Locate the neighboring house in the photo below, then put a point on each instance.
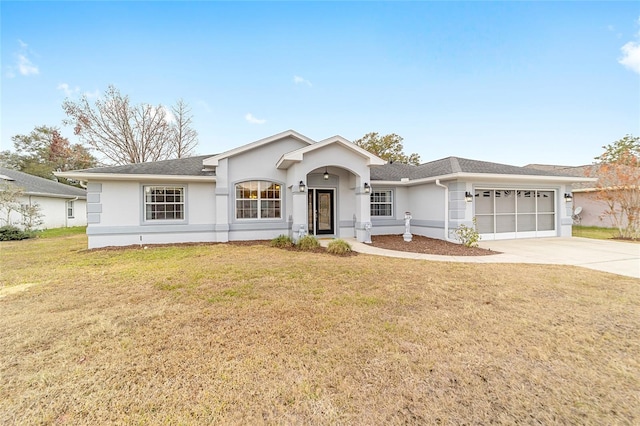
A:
(592, 209)
(60, 205)
(292, 185)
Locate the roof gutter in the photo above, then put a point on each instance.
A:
(131, 176)
(485, 177)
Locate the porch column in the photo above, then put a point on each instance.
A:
(299, 212)
(363, 213)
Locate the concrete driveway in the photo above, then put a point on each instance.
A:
(617, 257)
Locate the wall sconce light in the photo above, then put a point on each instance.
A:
(367, 188)
(468, 197)
(326, 174)
(568, 197)
(302, 187)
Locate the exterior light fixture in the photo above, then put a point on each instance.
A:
(326, 174)
(301, 186)
(468, 197)
(367, 188)
(568, 197)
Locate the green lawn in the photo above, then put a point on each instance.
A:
(594, 232)
(250, 334)
(61, 232)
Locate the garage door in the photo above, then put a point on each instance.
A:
(515, 213)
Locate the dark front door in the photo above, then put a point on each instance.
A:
(321, 211)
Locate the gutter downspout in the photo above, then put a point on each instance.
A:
(446, 209)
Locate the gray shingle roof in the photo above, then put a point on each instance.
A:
(37, 185)
(449, 165)
(190, 166)
(579, 171)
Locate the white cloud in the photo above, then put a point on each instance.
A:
(169, 117)
(631, 53)
(68, 91)
(25, 67)
(23, 64)
(253, 120)
(299, 80)
(631, 56)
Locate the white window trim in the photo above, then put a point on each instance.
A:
(160, 221)
(258, 200)
(390, 203)
(71, 208)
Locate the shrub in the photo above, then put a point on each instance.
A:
(308, 242)
(468, 235)
(339, 247)
(11, 233)
(282, 241)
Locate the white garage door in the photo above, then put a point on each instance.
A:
(515, 213)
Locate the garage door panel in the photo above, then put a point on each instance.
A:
(515, 213)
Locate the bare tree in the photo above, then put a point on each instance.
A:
(184, 137)
(9, 201)
(121, 132)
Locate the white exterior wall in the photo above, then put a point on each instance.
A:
(53, 211)
(115, 215)
(255, 164)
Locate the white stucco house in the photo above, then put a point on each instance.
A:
(60, 205)
(290, 184)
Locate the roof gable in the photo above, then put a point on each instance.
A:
(213, 161)
(297, 156)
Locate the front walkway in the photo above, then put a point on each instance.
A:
(616, 257)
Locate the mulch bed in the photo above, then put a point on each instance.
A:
(420, 244)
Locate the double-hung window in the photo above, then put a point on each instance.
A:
(164, 202)
(258, 199)
(70, 210)
(382, 203)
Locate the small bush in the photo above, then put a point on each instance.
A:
(339, 247)
(11, 233)
(468, 236)
(282, 241)
(308, 242)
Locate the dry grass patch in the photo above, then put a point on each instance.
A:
(253, 334)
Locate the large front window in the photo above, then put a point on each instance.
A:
(382, 203)
(164, 202)
(258, 199)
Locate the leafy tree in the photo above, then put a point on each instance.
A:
(388, 147)
(125, 133)
(618, 172)
(44, 151)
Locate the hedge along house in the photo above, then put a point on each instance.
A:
(289, 184)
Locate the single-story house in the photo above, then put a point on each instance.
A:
(290, 184)
(60, 205)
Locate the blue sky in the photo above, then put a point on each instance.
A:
(510, 82)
